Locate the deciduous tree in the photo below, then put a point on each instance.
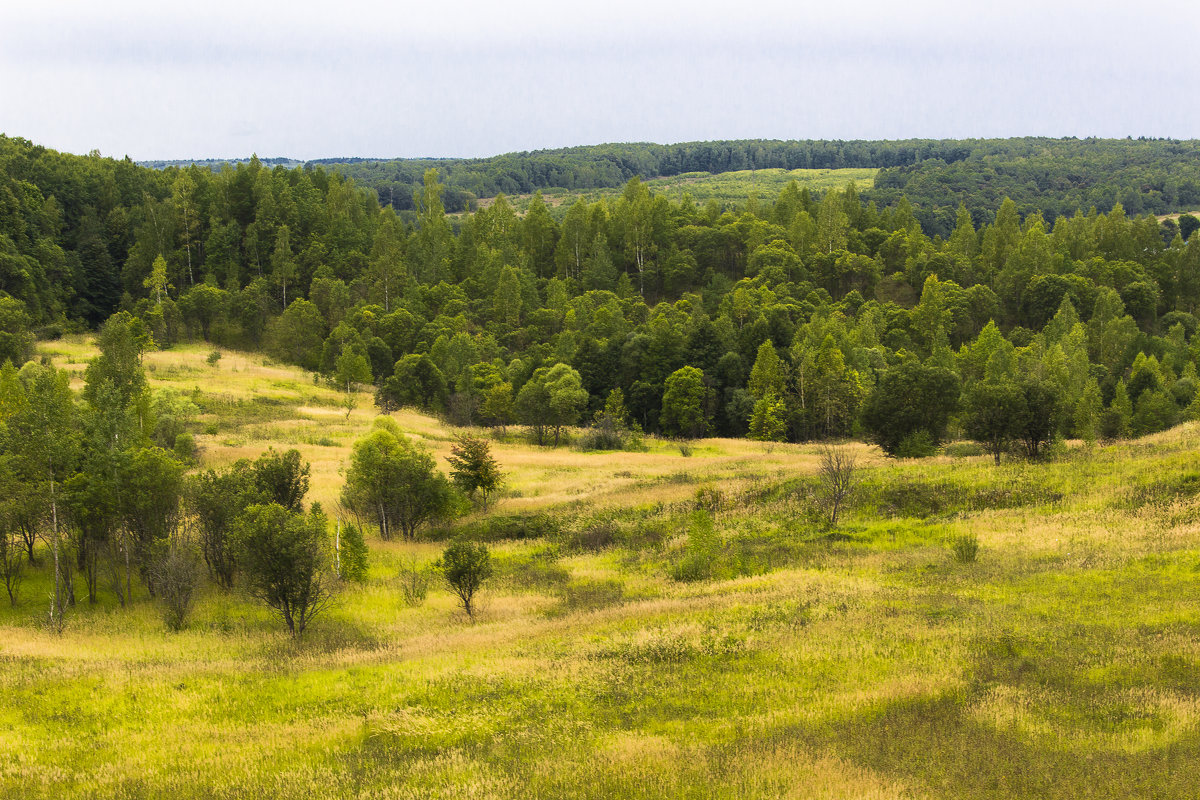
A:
(285, 555)
(473, 469)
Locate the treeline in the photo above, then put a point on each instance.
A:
(778, 320)
(612, 165)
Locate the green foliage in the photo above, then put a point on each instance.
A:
(351, 555)
(415, 381)
(12, 553)
(814, 296)
(296, 336)
(414, 578)
(588, 594)
(175, 575)
(965, 547)
(610, 429)
(993, 414)
(216, 498)
(552, 399)
(16, 340)
(1037, 425)
(395, 484)
(466, 566)
(685, 404)
(768, 422)
(766, 376)
(473, 469)
(282, 478)
(700, 554)
(285, 557)
(1117, 420)
(908, 410)
(515, 527)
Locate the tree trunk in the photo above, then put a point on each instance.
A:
(56, 603)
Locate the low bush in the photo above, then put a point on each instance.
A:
(918, 444)
(587, 594)
(964, 450)
(703, 548)
(505, 527)
(414, 578)
(965, 547)
(594, 536)
(536, 571)
(908, 497)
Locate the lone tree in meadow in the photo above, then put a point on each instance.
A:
(175, 574)
(473, 469)
(285, 558)
(395, 483)
(465, 566)
(837, 473)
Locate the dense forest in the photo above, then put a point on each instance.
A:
(803, 318)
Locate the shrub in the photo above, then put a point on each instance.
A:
(175, 574)
(710, 499)
(836, 473)
(213, 358)
(701, 552)
(414, 580)
(466, 566)
(647, 535)
(510, 526)
(594, 537)
(919, 444)
(603, 437)
(963, 449)
(351, 553)
(285, 558)
(185, 447)
(587, 594)
(537, 571)
(965, 547)
(473, 469)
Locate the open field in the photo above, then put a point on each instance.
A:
(725, 188)
(866, 662)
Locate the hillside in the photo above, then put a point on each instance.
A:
(883, 658)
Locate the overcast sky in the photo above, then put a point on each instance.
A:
(225, 78)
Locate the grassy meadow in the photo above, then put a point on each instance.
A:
(659, 625)
(726, 188)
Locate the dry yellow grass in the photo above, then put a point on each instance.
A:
(537, 477)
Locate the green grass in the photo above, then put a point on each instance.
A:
(725, 188)
(865, 661)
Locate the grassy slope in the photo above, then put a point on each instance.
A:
(1064, 663)
(725, 188)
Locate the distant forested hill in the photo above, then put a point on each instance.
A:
(612, 165)
(1053, 176)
